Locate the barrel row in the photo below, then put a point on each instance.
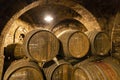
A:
(28, 70)
(77, 44)
(106, 69)
(43, 45)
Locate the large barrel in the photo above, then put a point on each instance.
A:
(98, 70)
(23, 70)
(74, 43)
(63, 71)
(41, 45)
(100, 42)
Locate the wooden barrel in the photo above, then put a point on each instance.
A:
(100, 42)
(14, 51)
(114, 63)
(63, 71)
(74, 43)
(41, 45)
(23, 70)
(98, 70)
(108, 71)
(88, 71)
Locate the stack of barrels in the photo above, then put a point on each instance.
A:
(44, 54)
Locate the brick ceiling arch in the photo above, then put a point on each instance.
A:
(87, 19)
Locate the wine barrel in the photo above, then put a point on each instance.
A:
(74, 43)
(41, 45)
(23, 70)
(14, 51)
(63, 71)
(98, 70)
(88, 71)
(114, 63)
(108, 71)
(100, 42)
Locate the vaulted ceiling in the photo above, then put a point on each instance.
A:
(104, 11)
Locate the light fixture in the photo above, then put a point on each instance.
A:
(48, 18)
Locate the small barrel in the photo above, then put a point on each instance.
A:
(98, 70)
(63, 71)
(41, 45)
(14, 51)
(100, 42)
(74, 43)
(23, 70)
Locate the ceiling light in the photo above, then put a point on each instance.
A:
(48, 18)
